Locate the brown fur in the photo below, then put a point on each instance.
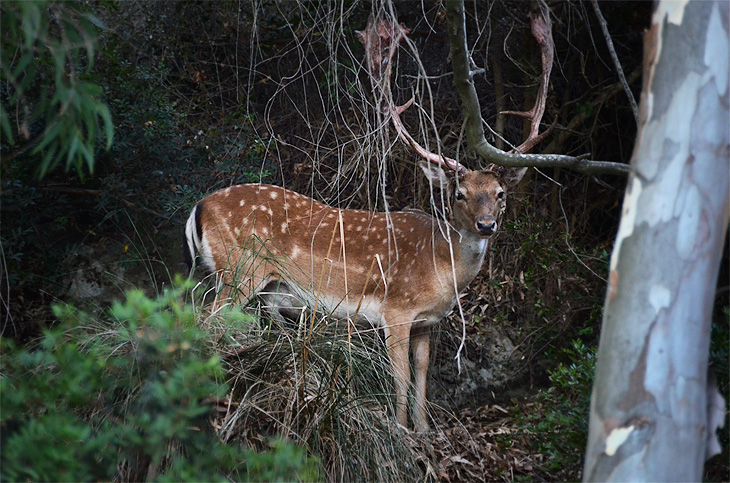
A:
(397, 270)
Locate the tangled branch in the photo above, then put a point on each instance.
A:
(463, 80)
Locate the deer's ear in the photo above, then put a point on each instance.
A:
(512, 176)
(435, 175)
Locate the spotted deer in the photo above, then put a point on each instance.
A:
(402, 271)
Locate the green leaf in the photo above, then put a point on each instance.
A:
(88, 155)
(28, 78)
(48, 137)
(95, 20)
(22, 64)
(103, 111)
(73, 148)
(5, 128)
(48, 162)
(31, 21)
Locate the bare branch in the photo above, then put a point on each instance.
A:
(614, 57)
(472, 112)
(580, 118)
(541, 28)
(380, 39)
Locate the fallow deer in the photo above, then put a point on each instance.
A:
(402, 271)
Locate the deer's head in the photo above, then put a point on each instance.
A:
(477, 198)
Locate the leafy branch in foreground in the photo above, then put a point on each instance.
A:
(127, 401)
(50, 44)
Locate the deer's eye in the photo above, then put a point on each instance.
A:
(459, 195)
(500, 195)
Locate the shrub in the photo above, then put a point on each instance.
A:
(326, 389)
(126, 400)
(559, 423)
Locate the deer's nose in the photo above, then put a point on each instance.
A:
(486, 227)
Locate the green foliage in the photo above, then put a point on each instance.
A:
(46, 55)
(720, 345)
(559, 426)
(720, 361)
(127, 402)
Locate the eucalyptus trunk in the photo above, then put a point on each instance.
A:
(654, 410)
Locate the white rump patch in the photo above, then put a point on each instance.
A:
(206, 255)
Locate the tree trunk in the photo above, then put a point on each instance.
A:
(652, 414)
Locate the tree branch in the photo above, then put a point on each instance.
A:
(541, 29)
(614, 57)
(464, 83)
(380, 38)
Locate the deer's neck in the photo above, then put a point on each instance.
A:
(469, 250)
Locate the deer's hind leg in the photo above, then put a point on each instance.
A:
(244, 276)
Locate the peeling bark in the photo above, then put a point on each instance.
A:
(653, 407)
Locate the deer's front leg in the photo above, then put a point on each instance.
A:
(421, 345)
(397, 337)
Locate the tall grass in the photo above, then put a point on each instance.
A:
(160, 389)
(327, 389)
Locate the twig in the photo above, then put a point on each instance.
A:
(614, 57)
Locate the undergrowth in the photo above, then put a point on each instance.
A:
(157, 390)
(557, 426)
(129, 398)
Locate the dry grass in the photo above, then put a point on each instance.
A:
(323, 389)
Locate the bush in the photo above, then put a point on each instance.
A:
(327, 390)
(130, 400)
(558, 426)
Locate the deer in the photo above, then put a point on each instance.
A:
(401, 271)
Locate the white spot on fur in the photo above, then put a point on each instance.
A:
(241, 203)
(273, 195)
